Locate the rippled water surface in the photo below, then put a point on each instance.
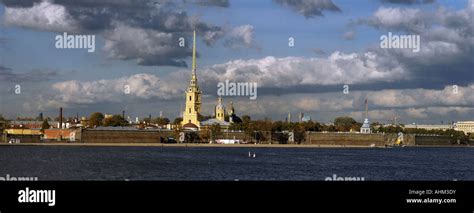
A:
(225, 163)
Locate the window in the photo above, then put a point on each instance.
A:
(189, 97)
(189, 110)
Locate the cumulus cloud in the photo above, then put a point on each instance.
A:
(309, 8)
(241, 36)
(126, 42)
(158, 25)
(407, 105)
(447, 42)
(327, 106)
(141, 86)
(449, 96)
(338, 68)
(42, 16)
(396, 18)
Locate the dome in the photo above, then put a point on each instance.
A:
(190, 126)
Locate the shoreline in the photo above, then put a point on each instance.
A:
(218, 145)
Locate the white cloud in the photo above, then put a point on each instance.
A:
(148, 47)
(309, 8)
(424, 97)
(142, 86)
(241, 36)
(399, 18)
(338, 68)
(44, 16)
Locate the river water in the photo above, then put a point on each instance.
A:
(232, 163)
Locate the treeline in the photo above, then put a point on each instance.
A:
(341, 124)
(400, 128)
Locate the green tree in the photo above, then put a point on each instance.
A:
(344, 123)
(216, 131)
(3, 122)
(192, 137)
(147, 120)
(115, 120)
(45, 125)
(236, 126)
(204, 117)
(161, 121)
(177, 120)
(205, 135)
(96, 119)
(246, 119)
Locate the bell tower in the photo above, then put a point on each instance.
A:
(192, 94)
(220, 111)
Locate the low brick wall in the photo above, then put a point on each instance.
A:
(425, 140)
(23, 138)
(124, 136)
(341, 139)
(237, 135)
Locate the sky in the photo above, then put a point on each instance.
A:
(336, 43)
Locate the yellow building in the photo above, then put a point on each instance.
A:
(220, 111)
(23, 131)
(193, 95)
(22, 135)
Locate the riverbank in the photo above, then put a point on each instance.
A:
(206, 145)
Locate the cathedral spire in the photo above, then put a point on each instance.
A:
(194, 53)
(193, 73)
(192, 110)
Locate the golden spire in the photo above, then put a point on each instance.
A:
(194, 52)
(193, 82)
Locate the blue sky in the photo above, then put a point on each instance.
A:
(307, 77)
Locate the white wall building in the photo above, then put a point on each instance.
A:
(465, 126)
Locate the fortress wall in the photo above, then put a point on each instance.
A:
(434, 140)
(341, 139)
(123, 136)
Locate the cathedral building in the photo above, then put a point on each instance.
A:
(192, 110)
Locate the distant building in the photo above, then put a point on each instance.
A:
(192, 110)
(26, 124)
(190, 126)
(212, 121)
(429, 126)
(22, 135)
(306, 118)
(219, 110)
(365, 129)
(465, 126)
(219, 116)
(60, 134)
